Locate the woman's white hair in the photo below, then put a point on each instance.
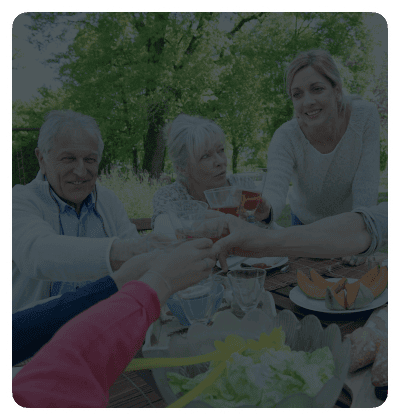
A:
(60, 122)
(322, 62)
(188, 137)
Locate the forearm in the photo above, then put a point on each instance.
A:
(86, 355)
(335, 236)
(34, 327)
(159, 285)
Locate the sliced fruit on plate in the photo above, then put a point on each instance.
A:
(380, 283)
(319, 280)
(335, 300)
(361, 293)
(317, 289)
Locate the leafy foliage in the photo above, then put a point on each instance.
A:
(134, 72)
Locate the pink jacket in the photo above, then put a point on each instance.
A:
(84, 358)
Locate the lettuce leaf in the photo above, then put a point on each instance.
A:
(262, 378)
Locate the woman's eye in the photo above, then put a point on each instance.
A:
(319, 89)
(68, 158)
(91, 160)
(222, 151)
(205, 156)
(296, 95)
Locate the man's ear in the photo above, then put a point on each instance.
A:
(40, 159)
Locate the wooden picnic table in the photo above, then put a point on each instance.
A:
(138, 388)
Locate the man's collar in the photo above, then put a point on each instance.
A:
(88, 201)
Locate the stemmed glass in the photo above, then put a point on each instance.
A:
(252, 185)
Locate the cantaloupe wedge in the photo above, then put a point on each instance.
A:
(308, 287)
(334, 300)
(315, 289)
(319, 280)
(360, 293)
(380, 283)
(368, 278)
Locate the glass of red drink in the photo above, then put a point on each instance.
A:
(252, 185)
(225, 200)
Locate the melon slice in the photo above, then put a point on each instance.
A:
(317, 289)
(318, 280)
(380, 283)
(364, 297)
(334, 300)
(351, 294)
(308, 287)
(369, 278)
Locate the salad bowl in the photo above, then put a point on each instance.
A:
(306, 335)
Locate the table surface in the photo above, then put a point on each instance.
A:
(138, 388)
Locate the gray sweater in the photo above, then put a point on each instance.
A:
(325, 184)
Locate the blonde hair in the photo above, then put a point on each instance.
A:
(57, 122)
(187, 138)
(322, 62)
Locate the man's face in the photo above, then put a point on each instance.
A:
(71, 166)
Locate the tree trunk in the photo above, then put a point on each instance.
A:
(235, 155)
(135, 160)
(154, 142)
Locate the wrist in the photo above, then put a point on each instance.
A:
(159, 285)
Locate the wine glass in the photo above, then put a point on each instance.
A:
(252, 185)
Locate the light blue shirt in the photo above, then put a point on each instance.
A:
(87, 224)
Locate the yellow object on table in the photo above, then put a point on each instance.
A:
(223, 353)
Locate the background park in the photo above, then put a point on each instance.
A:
(135, 72)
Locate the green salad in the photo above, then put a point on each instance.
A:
(262, 378)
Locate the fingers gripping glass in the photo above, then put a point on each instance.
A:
(186, 216)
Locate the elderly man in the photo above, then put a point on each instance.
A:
(67, 230)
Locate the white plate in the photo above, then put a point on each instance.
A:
(274, 262)
(300, 299)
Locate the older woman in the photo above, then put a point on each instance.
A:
(196, 149)
(329, 151)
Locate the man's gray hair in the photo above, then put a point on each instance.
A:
(188, 137)
(58, 122)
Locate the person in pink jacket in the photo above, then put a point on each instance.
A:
(84, 358)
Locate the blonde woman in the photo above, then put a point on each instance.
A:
(329, 150)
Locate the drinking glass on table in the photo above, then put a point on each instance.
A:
(247, 285)
(198, 301)
(252, 185)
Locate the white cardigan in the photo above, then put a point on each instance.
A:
(41, 255)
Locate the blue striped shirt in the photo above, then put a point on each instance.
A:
(88, 224)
